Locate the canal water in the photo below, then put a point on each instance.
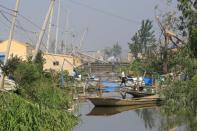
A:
(122, 118)
(132, 118)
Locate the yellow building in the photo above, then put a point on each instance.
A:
(53, 61)
(57, 61)
(20, 49)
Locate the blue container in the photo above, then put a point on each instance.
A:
(2, 56)
(148, 81)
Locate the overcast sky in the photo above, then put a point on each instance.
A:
(108, 21)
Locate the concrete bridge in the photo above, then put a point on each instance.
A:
(102, 67)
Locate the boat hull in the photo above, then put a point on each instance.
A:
(110, 102)
(103, 111)
(139, 94)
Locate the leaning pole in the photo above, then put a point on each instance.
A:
(11, 34)
(43, 29)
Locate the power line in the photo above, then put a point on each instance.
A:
(4, 24)
(19, 27)
(25, 32)
(2, 6)
(27, 19)
(104, 12)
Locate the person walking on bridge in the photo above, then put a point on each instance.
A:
(123, 79)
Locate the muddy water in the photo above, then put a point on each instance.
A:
(126, 121)
(121, 118)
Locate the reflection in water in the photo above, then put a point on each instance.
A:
(108, 111)
(142, 118)
(99, 93)
(172, 117)
(157, 118)
(148, 116)
(186, 117)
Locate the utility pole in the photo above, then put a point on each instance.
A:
(67, 29)
(49, 32)
(82, 39)
(72, 44)
(62, 47)
(10, 41)
(43, 29)
(57, 29)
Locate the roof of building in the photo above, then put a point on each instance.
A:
(61, 55)
(19, 42)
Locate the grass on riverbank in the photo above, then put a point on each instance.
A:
(18, 113)
(39, 103)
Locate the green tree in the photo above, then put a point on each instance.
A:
(180, 98)
(146, 34)
(39, 61)
(11, 65)
(135, 46)
(143, 38)
(189, 22)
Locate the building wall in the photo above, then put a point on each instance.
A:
(24, 50)
(55, 62)
(17, 48)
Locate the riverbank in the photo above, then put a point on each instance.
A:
(18, 113)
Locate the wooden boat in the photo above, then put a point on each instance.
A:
(103, 111)
(140, 94)
(107, 102)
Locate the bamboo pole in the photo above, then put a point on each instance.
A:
(57, 29)
(67, 30)
(43, 30)
(49, 32)
(10, 41)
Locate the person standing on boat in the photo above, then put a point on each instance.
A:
(123, 79)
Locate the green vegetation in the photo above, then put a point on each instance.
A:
(180, 103)
(179, 65)
(38, 103)
(188, 9)
(144, 39)
(145, 44)
(180, 95)
(18, 113)
(10, 66)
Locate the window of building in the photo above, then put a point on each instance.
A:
(55, 63)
